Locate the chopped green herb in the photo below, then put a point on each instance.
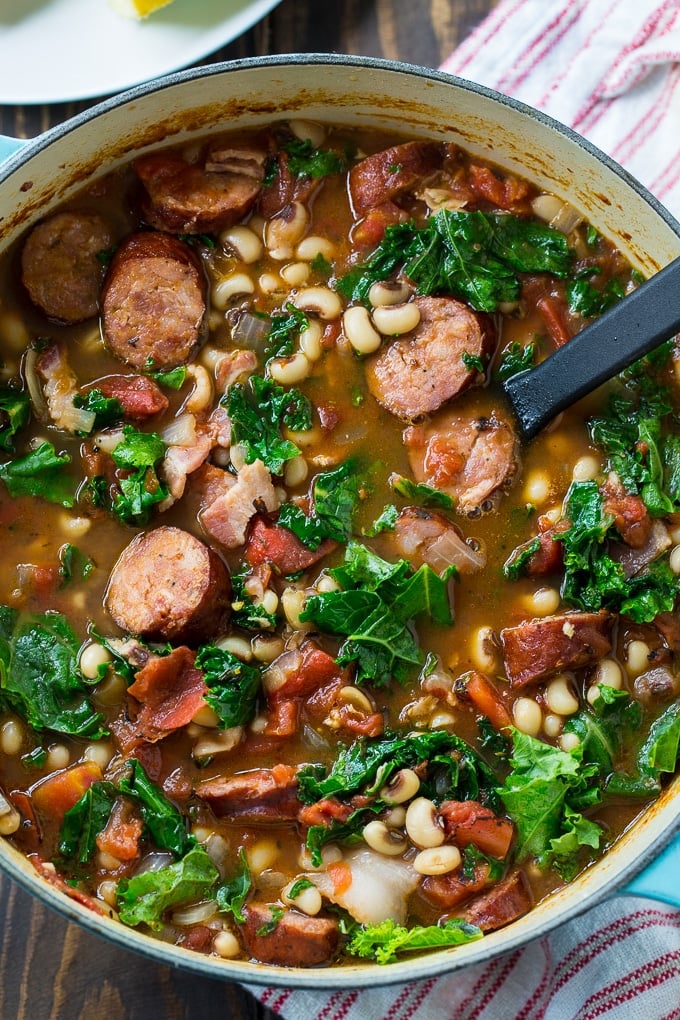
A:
(300, 886)
(515, 358)
(306, 161)
(85, 820)
(173, 378)
(74, 564)
(232, 895)
(164, 822)
(384, 522)
(472, 362)
(284, 331)
(320, 264)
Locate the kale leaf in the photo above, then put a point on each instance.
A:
(231, 895)
(335, 495)
(39, 674)
(245, 612)
(40, 473)
(74, 564)
(283, 331)
(166, 825)
(475, 256)
(15, 414)
(384, 941)
(144, 898)
(233, 685)
(306, 161)
(258, 411)
(515, 358)
(420, 493)
(106, 410)
(85, 820)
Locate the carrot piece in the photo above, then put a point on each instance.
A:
(341, 876)
(57, 794)
(486, 699)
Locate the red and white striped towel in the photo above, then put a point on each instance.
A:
(608, 68)
(611, 70)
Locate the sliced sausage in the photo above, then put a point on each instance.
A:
(447, 891)
(168, 584)
(468, 821)
(60, 267)
(294, 940)
(153, 301)
(537, 649)
(418, 373)
(468, 457)
(387, 174)
(139, 396)
(658, 684)
(260, 795)
(504, 903)
(184, 198)
(284, 189)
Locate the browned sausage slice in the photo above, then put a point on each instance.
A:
(389, 173)
(468, 457)
(60, 268)
(168, 584)
(418, 373)
(295, 940)
(260, 795)
(140, 397)
(504, 903)
(186, 199)
(153, 301)
(537, 649)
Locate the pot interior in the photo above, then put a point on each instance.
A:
(394, 98)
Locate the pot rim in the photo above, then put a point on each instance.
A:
(361, 974)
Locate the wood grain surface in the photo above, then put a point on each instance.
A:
(49, 968)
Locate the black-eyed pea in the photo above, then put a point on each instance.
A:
(311, 247)
(310, 341)
(388, 292)
(266, 647)
(12, 736)
(527, 716)
(383, 840)
(243, 242)
(637, 657)
(423, 824)
(586, 468)
(552, 725)
(321, 301)
(308, 131)
(402, 787)
(230, 287)
(285, 230)
(92, 658)
(226, 945)
(358, 328)
(559, 696)
(438, 860)
(543, 602)
(238, 646)
(295, 273)
(569, 741)
(306, 898)
(395, 320)
(10, 819)
(289, 371)
(609, 674)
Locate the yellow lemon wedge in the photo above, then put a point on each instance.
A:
(137, 8)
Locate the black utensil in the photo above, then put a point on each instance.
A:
(633, 327)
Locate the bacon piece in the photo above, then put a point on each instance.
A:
(271, 543)
(385, 175)
(48, 871)
(171, 691)
(229, 504)
(260, 795)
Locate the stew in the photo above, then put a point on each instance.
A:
(303, 658)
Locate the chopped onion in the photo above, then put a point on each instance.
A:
(248, 330)
(181, 431)
(451, 548)
(195, 913)
(34, 388)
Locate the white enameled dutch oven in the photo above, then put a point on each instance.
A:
(395, 97)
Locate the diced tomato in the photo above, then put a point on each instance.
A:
(122, 833)
(508, 194)
(370, 231)
(171, 691)
(487, 700)
(468, 821)
(58, 793)
(269, 543)
(282, 719)
(313, 669)
(553, 311)
(324, 812)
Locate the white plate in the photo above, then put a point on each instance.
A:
(54, 51)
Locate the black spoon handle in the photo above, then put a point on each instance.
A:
(633, 327)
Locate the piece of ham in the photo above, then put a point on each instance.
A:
(170, 691)
(230, 503)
